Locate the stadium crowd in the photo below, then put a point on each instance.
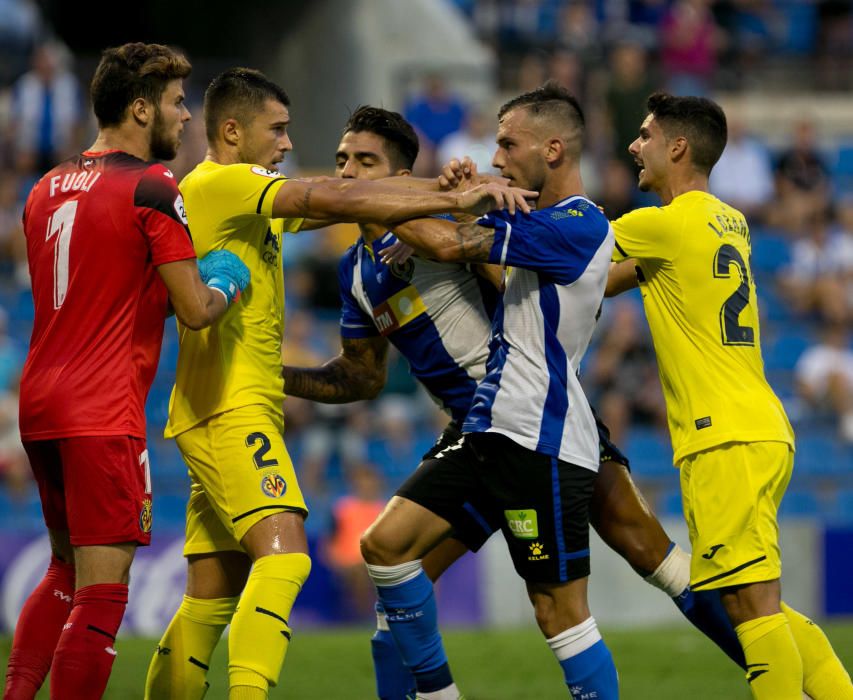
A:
(796, 194)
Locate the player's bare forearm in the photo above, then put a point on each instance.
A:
(447, 241)
(357, 374)
(371, 201)
(621, 278)
(492, 273)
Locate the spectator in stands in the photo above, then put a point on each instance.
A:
(819, 279)
(531, 71)
(631, 82)
(617, 193)
(352, 514)
(12, 356)
(20, 27)
(12, 244)
(835, 44)
(622, 375)
(15, 469)
(824, 378)
(47, 111)
(566, 68)
(743, 176)
(689, 39)
(578, 30)
(435, 113)
(475, 139)
(802, 179)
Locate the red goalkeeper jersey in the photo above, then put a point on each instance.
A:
(97, 227)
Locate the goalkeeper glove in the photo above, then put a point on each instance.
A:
(225, 272)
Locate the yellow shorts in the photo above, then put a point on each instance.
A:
(731, 494)
(240, 472)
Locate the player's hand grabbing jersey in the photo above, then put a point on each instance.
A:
(236, 362)
(97, 227)
(699, 297)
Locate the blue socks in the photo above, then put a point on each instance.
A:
(705, 610)
(394, 681)
(406, 594)
(586, 662)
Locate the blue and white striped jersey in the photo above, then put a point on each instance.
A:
(438, 315)
(558, 259)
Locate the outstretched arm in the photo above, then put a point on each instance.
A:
(365, 200)
(358, 373)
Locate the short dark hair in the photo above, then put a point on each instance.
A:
(700, 120)
(239, 93)
(400, 138)
(550, 100)
(126, 73)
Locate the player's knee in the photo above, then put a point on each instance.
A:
(377, 548)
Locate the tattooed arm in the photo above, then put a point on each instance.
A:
(358, 373)
(447, 241)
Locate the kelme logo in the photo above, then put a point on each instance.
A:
(522, 523)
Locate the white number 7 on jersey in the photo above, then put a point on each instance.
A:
(61, 222)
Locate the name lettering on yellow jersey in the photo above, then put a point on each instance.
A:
(730, 224)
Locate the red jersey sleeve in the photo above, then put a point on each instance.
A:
(161, 216)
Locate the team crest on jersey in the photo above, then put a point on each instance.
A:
(258, 170)
(145, 516)
(273, 485)
(404, 271)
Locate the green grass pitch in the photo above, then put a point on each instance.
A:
(659, 664)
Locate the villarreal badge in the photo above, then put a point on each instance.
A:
(273, 485)
(145, 516)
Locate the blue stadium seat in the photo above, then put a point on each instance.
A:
(650, 452)
(770, 252)
(800, 504)
(842, 507)
(170, 511)
(783, 351)
(842, 172)
(819, 453)
(670, 505)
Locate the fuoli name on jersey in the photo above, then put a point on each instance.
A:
(73, 182)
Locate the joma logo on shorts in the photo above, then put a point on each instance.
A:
(522, 523)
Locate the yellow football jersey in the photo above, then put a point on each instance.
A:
(236, 361)
(699, 297)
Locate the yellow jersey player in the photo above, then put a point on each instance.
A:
(731, 438)
(245, 540)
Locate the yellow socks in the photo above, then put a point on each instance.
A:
(774, 668)
(260, 632)
(178, 670)
(824, 678)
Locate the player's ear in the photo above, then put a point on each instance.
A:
(554, 149)
(230, 132)
(677, 148)
(402, 171)
(142, 111)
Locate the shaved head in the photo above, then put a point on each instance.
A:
(553, 113)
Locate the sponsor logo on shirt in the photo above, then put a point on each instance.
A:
(523, 523)
(263, 172)
(273, 485)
